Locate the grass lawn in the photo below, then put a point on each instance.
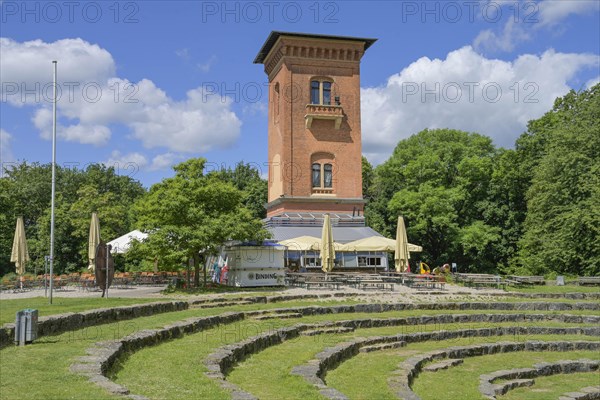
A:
(41, 370)
(8, 308)
(169, 381)
(552, 387)
(461, 382)
(274, 364)
(175, 369)
(365, 376)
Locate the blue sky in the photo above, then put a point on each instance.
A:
(148, 84)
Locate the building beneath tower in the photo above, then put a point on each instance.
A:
(314, 135)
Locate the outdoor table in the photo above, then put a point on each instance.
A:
(375, 284)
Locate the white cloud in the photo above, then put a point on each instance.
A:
(27, 67)
(164, 161)
(91, 98)
(206, 66)
(512, 33)
(82, 133)
(552, 12)
(6, 155)
(183, 53)
(592, 82)
(257, 107)
(527, 19)
(497, 97)
(198, 124)
(136, 161)
(119, 161)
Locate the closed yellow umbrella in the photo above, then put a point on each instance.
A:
(327, 249)
(93, 242)
(401, 254)
(19, 255)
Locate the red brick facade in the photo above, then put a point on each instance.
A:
(314, 122)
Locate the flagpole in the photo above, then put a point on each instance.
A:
(53, 185)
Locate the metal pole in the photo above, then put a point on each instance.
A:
(106, 283)
(46, 276)
(53, 185)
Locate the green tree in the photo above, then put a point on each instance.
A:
(431, 219)
(562, 226)
(246, 178)
(440, 181)
(506, 205)
(26, 189)
(192, 214)
(7, 219)
(367, 178)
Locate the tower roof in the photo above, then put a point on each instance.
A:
(272, 39)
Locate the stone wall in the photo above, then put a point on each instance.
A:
(60, 323)
(102, 356)
(490, 390)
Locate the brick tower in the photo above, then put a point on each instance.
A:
(314, 123)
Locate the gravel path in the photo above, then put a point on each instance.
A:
(400, 294)
(132, 292)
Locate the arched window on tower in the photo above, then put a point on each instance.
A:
(327, 176)
(316, 175)
(320, 91)
(322, 169)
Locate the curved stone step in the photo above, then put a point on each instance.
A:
(221, 304)
(384, 346)
(451, 362)
(586, 393)
(521, 376)
(504, 387)
(324, 331)
(278, 316)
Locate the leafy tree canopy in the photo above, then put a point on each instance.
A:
(194, 213)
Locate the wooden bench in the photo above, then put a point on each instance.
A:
(515, 283)
(420, 284)
(528, 280)
(376, 285)
(322, 284)
(588, 280)
(489, 280)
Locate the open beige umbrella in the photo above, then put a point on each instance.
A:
(401, 254)
(93, 242)
(327, 247)
(19, 255)
(375, 243)
(301, 243)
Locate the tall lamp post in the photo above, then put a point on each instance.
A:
(53, 184)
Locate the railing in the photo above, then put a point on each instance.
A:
(317, 190)
(322, 111)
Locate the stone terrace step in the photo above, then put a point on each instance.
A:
(384, 346)
(451, 362)
(222, 304)
(504, 387)
(341, 329)
(278, 316)
(586, 393)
